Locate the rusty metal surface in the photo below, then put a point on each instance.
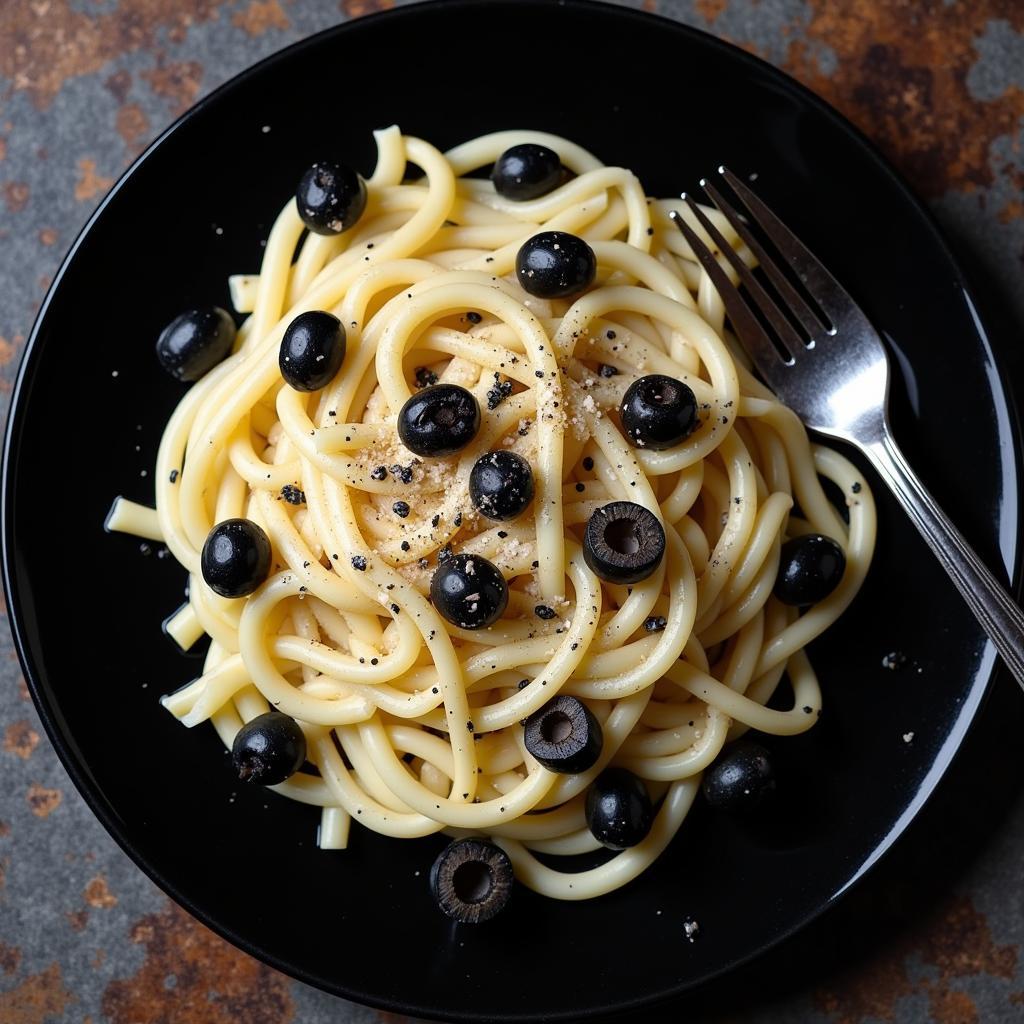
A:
(84, 85)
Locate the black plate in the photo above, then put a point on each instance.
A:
(87, 606)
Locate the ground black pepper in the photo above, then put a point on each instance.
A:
(497, 394)
(425, 377)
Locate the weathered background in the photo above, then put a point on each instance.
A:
(84, 86)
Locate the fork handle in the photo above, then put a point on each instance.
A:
(999, 616)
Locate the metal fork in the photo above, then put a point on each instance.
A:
(836, 379)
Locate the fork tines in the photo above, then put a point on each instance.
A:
(826, 290)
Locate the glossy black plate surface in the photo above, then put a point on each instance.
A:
(87, 606)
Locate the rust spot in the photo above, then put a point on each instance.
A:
(48, 236)
(42, 45)
(1013, 210)
(948, 1007)
(132, 125)
(214, 981)
(10, 958)
(42, 801)
(99, 958)
(16, 195)
(177, 81)
(20, 738)
(392, 1018)
(871, 992)
(357, 8)
(90, 184)
(259, 16)
(956, 940)
(5, 829)
(97, 893)
(960, 945)
(7, 351)
(3, 148)
(710, 10)
(902, 78)
(39, 998)
(23, 693)
(1017, 999)
(78, 919)
(119, 84)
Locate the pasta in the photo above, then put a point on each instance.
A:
(413, 724)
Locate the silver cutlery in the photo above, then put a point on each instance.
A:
(830, 367)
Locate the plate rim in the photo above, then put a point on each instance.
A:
(50, 715)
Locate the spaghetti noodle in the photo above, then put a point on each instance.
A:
(413, 724)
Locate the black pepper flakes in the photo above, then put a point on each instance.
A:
(457, 521)
(380, 473)
(395, 608)
(606, 370)
(655, 623)
(425, 377)
(359, 562)
(293, 495)
(580, 488)
(474, 317)
(444, 554)
(403, 473)
(401, 509)
(855, 486)
(173, 476)
(469, 726)
(497, 394)
(502, 534)
(404, 545)
(542, 611)
(588, 463)
(435, 521)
